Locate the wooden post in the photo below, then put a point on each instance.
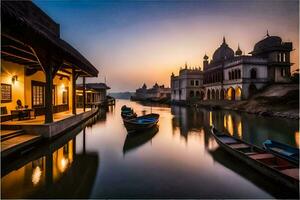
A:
(84, 147)
(49, 168)
(48, 95)
(84, 96)
(73, 91)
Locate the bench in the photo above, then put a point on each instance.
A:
(4, 116)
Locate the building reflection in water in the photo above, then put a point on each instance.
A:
(251, 128)
(56, 171)
(186, 120)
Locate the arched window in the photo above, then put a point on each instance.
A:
(208, 94)
(253, 74)
(213, 95)
(217, 95)
(229, 74)
(202, 95)
(239, 74)
(197, 94)
(192, 94)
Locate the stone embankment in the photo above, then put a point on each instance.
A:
(280, 100)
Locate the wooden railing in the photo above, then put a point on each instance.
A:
(56, 109)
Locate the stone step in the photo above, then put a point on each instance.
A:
(7, 134)
(18, 143)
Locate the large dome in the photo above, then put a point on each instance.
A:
(223, 52)
(268, 42)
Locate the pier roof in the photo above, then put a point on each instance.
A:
(26, 24)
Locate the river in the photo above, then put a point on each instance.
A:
(180, 159)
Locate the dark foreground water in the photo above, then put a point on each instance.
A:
(179, 159)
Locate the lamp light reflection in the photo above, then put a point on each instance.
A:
(36, 175)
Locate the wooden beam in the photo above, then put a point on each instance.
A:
(19, 57)
(66, 71)
(62, 75)
(17, 48)
(73, 91)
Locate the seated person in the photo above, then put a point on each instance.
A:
(19, 105)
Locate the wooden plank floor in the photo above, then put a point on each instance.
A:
(41, 119)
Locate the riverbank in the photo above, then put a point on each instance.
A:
(280, 100)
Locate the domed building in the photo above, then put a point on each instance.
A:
(234, 76)
(222, 53)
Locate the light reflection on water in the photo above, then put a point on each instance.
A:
(178, 159)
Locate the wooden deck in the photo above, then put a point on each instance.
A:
(41, 119)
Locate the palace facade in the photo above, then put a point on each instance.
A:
(188, 85)
(157, 92)
(231, 75)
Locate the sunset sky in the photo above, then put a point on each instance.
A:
(132, 42)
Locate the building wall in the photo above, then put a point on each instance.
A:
(182, 85)
(60, 86)
(21, 89)
(8, 70)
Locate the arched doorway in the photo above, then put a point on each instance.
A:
(253, 74)
(222, 94)
(217, 95)
(252, 89)
(192, 94)
(202, 95)
(213, 94)
(238, 93)
(231, 94)
(208, 95)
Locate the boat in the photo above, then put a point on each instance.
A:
(282, 150)
(127, 112)
(141, 123)
(280, 170)
(134, 141)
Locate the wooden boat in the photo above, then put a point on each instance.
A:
(141, 123)
(127, 112)
(134, 141)
(282, 150)
(276, 168)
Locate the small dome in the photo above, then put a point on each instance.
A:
(268, 42)
(223, 52)
(205, 57)
(238, 52)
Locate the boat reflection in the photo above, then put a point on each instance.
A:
(136, 140)
(53, 170)
(234, 164)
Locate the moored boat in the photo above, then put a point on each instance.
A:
(127, 112)
(276, 168)
(282, 150)
(141, 123)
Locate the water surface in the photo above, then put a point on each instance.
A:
(179, 159)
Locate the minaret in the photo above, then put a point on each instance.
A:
(205, 61)
(238, 51)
